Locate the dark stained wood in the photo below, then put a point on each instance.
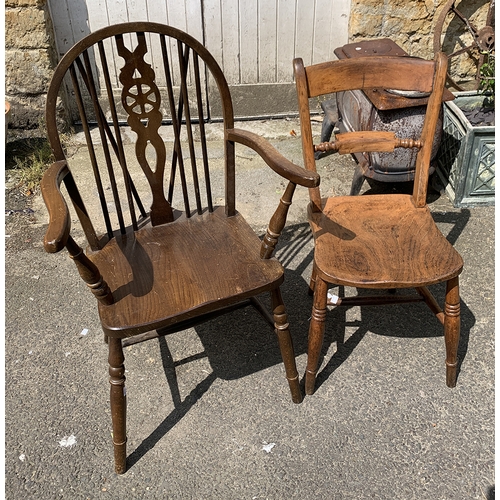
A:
(141, 100)
(277, 223)
(282, 329)
(90, 273)
(118, 400)
(378, 241)
(175, 266)
(273, 158)
(180, 261)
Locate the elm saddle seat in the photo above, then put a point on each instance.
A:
(378, 241)
(185, 260)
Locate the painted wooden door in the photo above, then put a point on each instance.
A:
(254, 41)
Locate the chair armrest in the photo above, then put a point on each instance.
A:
(273, 158)
(57, 233)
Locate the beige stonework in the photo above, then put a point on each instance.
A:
(26, 29)
(29, 71)
(411, 24)
(24, 3)
(29, 60)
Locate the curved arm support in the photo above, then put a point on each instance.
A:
(89, 273)
(273, 158)
(59, 218)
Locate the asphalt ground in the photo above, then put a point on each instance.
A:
(209, 412)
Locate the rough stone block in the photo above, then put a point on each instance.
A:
(365, 25)
(26, 28)
(26, 112)
(25, 3)
(27, 72)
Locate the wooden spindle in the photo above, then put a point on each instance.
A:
(118, 147)
(277, 223)
(203, 138)
(189, 127)
(326, 146)
(101, 123)
(90, 144)
(408, 143)
(89, 273)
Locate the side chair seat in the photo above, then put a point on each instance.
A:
(380, 241)
(167, 274)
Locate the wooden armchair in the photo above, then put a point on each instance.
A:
(378, 241)
(164, 269)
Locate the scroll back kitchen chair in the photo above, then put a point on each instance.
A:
(164, 269)
(378, 241)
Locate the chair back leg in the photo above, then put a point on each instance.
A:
(452, 329)
(118, 403)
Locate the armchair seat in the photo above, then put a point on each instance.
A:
(162, 275)
(380, 241)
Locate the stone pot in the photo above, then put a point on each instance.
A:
(466, 157)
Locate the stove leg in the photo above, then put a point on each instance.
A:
(357, 180)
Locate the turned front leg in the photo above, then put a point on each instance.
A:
(118, 403)
(316, 333)
(286, 346)
(452, 330)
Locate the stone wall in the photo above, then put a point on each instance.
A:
(411, 24)
(29, 60)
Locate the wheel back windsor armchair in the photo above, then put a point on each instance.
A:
(185, 259)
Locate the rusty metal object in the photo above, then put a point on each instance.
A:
(384, 98)
(483, 39)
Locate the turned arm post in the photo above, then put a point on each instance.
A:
(366, 141)
(277, 223)
(89, 273)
